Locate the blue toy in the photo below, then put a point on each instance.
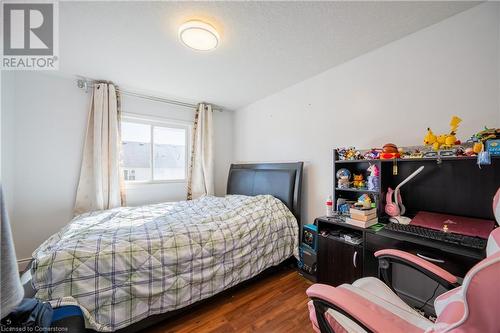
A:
(343, 177)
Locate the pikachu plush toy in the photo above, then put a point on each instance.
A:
(443, 141)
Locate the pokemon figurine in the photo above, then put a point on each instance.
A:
(358, 181)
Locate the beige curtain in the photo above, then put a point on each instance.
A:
(201, 177)
(101, 182)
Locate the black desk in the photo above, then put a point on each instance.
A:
(340, 262)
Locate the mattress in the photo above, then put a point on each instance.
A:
(125, 264)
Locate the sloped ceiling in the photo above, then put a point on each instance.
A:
(265, 46)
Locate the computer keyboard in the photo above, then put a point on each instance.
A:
(466, 241)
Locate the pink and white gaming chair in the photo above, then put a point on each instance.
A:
(369, 305)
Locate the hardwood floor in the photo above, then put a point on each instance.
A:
(275, 303)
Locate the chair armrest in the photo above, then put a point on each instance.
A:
(368, 315)
(420, 264)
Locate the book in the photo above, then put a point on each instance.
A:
(358, 211)
(361, 224)
(364, 218)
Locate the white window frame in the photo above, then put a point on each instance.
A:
(159, 122)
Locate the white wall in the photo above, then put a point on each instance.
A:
(388, 95)
(43, 128)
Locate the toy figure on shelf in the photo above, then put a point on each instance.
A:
(445, 141)
(358, 181)
(487, 134)
(480, 139)
(373, 154)
(389, 151)
(485, 144)
(343, 178)
(364, 201)
(349, 154)
(344, 152)
(416, 154)
(412, 152)
(373, 170)
(343, 206)
(470, 151)
(477, 147)
(373, 178)
(341, 152)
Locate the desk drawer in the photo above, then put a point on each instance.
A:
(454, 263)
(338, 261)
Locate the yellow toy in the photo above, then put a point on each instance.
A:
(455, 121)
(477, 147)
(440, 141)
(429, 138)
(358, 181)
(443, 140)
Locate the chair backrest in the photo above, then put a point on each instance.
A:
(473, 307)
(493, 245)
(496, 206)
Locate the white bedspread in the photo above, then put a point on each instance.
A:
(125, 264)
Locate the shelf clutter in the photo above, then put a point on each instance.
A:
(358, 173)
(482, 145)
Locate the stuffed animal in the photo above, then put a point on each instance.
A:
(440, 140)
(429, 138)
(443, 140)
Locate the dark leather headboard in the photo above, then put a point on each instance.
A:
(281, 180)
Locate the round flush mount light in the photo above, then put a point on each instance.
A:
(199, 35)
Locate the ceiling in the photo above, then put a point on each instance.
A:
(265, 46)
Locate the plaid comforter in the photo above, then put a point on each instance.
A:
(125, 264)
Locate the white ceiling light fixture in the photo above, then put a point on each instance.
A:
(199, 35)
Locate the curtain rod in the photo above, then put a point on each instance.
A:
(87, 83)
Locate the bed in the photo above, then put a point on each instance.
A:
(127, 264)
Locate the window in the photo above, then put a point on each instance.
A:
(154, 150)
